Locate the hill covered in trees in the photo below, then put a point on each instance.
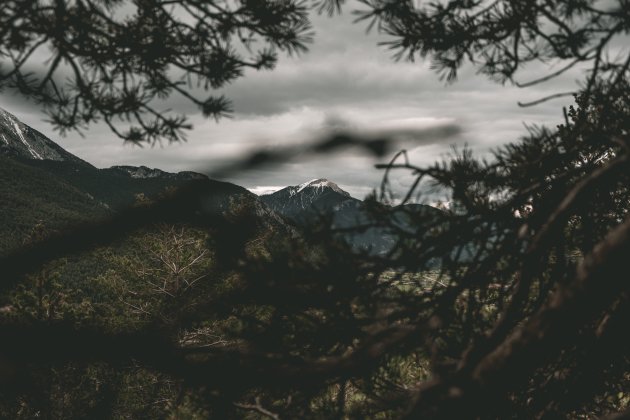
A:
(43, 184)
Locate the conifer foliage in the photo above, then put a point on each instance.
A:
(114, 61)
(512, 303)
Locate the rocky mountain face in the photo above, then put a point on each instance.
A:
(19, 140)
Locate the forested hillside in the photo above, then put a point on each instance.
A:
(32, 196)
(160, 276)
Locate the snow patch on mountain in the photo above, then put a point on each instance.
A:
(307, 199)
(18, 139)
(18, 131)
(318, 184)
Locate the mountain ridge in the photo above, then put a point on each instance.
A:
(43, 184)
(18, 140)
(323, 203)
(102, 191)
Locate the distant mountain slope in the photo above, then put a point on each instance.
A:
(19, 140)
(304, 203)
(143, 172)
(115, 187)
(321, 200)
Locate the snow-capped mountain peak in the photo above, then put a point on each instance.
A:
(319, 184)
(18, 139)
(308, 199)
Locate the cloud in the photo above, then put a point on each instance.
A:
(345, 81)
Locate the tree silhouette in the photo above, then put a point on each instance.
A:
(119, 61)
(526, 315)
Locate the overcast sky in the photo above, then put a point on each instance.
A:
(344, 80)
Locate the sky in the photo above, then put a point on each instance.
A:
(345, 81)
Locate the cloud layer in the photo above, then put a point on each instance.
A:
(345, 81)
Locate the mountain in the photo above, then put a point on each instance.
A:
(19, 140)
(362, 226)
(144, 173)
(41, 184)
(304, 203)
